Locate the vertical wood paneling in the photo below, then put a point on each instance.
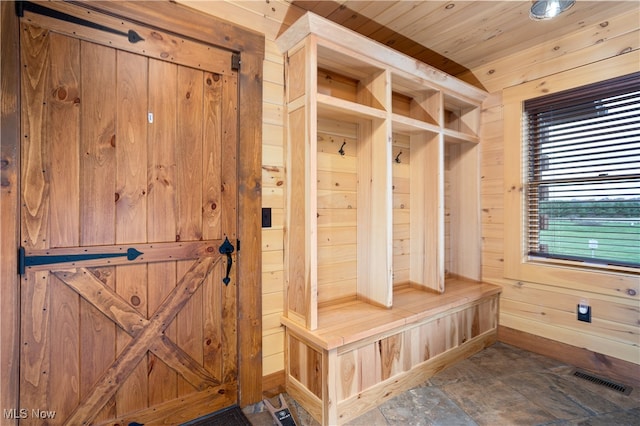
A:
(131, 207)
(294, 357)
(464, 208)
(369, 365)
(390, 354)
(63, 113)
(162, 209)
(229, 325)
(211, 219)
(436, 338)
(35, 59)
(65, 348)
(189, 192)
(297, 66)
(315, 373)
(34, 360)
(64, 142)
(348, 375)
(230, 199)
(427, 211)
(296, 232)
(229, 221)
(9, 202)
(375, 257)
(98, 111)
(230, 155)
(212, 158)
(401, 189)
(249, 218)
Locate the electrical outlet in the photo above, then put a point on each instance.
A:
(584, 312)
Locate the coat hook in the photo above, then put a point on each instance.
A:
(341, 151)
(398, 157)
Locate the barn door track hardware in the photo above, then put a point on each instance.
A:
(227, 248)
(21, 6)
(24, 261)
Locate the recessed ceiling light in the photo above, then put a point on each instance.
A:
(547, 9)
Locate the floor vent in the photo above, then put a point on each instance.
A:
(603, 382)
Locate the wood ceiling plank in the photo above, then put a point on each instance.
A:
(446, 29)
(487, 31)
(322, 8)
(590, 35)
(399, 8)
(415, 18)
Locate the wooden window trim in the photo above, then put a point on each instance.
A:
(562, 164)
(517, 266)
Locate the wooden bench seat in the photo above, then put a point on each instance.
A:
(362, 354)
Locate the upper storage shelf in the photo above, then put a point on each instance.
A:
(419, 97)
(340, 239)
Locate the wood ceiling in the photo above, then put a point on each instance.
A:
(491, 44)
(457, 35)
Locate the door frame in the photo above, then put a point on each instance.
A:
(186, 22)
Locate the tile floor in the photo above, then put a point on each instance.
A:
(502, 385)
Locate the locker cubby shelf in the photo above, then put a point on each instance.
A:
(335, 74)
(382, 160)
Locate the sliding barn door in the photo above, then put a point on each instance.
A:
(128, 222)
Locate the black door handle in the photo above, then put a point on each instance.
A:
(227, 248)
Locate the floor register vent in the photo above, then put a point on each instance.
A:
(603, 382)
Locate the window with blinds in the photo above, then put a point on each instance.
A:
(583, 173)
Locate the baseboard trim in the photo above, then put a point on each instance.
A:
(602, 365)
(273, 384)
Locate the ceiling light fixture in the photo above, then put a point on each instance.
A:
(547, 9)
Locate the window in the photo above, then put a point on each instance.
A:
(583, 174)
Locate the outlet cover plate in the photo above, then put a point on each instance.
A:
(584, 313)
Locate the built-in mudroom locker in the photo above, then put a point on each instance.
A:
(382, 249)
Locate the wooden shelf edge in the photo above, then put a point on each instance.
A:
(457, 137)
(329, 104)
(407, 124)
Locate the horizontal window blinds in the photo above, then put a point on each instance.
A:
(583, 173)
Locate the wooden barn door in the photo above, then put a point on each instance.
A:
(128, 211)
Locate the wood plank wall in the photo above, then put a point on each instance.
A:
(590, 44)
(546, 306)
(548, 310)
(273, 196)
